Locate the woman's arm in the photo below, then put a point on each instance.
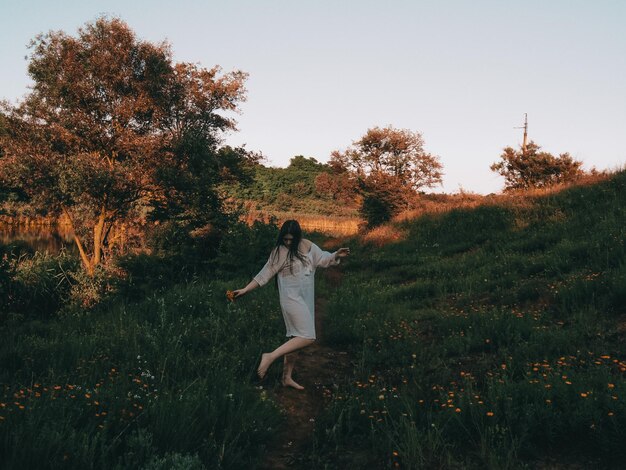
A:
(342, 252)
(273, 265)
(324, 259)
(251, 286)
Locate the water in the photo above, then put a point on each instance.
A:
(54, 238)
(38, 238)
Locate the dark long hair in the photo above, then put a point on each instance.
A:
(290, 227)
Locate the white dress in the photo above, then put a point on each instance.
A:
(296, 286)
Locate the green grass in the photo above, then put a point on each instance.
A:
(489, 338)
(163, 382)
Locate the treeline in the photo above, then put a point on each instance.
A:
(303, 186)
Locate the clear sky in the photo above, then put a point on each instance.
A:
(462, 72)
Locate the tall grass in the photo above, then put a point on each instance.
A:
(487, 337)
(163, 382)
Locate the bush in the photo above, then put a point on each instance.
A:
(184, 245)
(41, 283)
(6, 281)
(87, 291)
(245, 249)
(534, 169)
(145, 274)
(383, 197)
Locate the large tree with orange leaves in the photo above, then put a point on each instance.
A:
(388, 166)
(112, 124)
(398, 153)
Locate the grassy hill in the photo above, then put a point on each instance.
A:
(491, 337)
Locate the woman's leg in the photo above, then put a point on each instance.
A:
(290, 346)
(290, 362)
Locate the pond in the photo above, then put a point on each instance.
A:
(53, 238)
(38, 237)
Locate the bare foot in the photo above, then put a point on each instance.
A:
(264, 365)
(292, 383)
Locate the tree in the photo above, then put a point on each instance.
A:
(339, 186)
(271, 185)
(305, 165)
(389, 166)
(381, 198)
(535, 169)
(395, 152)
(112, 125)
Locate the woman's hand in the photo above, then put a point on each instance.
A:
(342, 252)
(239, 292)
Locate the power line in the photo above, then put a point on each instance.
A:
(525, 127)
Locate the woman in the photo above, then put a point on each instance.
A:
(294, 261)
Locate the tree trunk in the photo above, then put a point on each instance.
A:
(97, 237)
(87, 263)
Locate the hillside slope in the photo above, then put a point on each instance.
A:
(491, 337)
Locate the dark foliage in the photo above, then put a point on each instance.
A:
(535, 169)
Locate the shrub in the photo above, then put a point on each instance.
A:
(245, 249)
(6, 281)
(42, 283)
(534, 169)
(87, 291)
(383, 198)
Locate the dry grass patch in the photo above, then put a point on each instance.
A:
(384, 235)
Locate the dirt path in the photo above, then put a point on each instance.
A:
(320, 368)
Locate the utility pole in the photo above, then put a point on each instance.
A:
(525, 133)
